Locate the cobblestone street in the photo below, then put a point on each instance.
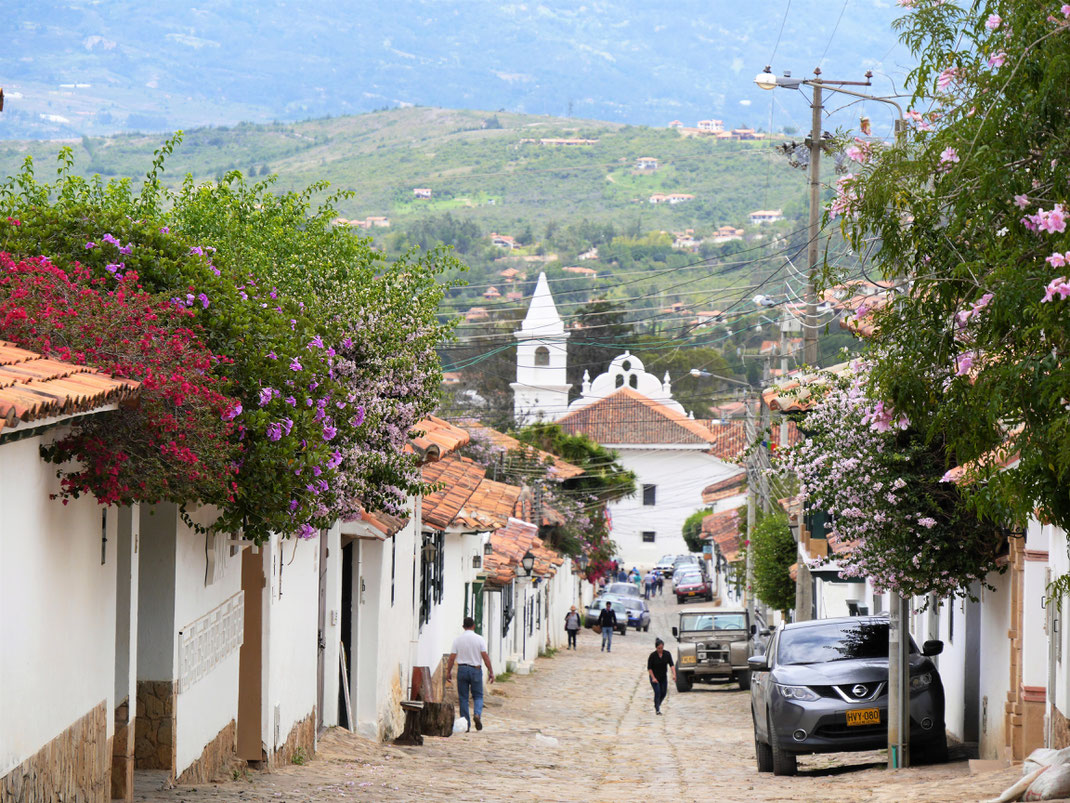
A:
(611, 748)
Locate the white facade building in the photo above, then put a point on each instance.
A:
(541, 389)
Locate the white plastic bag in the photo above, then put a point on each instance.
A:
(460, 725)
(545, 741)
(1053, 784)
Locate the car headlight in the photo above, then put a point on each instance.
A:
(922, 681)
(797, 692)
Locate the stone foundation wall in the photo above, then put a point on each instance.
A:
(154, 727)
(217, 756)
(1060, 729)
(302, 738)
(122, 754)
(76, 765)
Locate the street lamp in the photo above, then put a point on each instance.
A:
(582, 561)
(528, 562)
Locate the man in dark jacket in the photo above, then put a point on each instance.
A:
(657, 666)
(607, 620)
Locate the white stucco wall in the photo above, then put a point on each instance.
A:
(831, 598)
(680, 475)
(1059, 563)
(291, 613)
(1034, 614)
(58, 631)
(331, 568)
(206, 707)
(995, 665)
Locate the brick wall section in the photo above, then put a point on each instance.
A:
(154, 728)
(122, 756)
(75, 766)
(217, 757)
(302, 738)
(1060, 729)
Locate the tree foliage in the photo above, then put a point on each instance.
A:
(692, 530)
(773, 551)
(968, 212)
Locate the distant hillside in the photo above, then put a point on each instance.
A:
(501, 177)
(74, 67)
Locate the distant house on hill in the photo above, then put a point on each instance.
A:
(590, 253)
(710, 126)
(511, 275)
(761, 217)
(503, 241)
(745, 133)
(514, 296)
(686, 240)
(676, 124)
(579, 270)
(476, 314)
(491, 292)
(646, 163)
(724, 234)
(568, 142)
(677, 198)
(421, 192)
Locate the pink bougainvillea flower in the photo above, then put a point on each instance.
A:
(997, 60)
(949, 155)
(232, 412)
(14, 221)
(993, 21)
(1021, 201)
(107, 238)
(1066, 10)
(928, 522)
(946, 77)
(295, 364)
(963, 364)
(1056, 287)
(274, 431)
(1056, 260)
(89, 246)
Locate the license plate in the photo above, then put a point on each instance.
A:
(864, 716)
(687, 659)
(691, 593)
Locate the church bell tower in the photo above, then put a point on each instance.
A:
(540, 391)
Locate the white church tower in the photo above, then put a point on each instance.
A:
(540, 390)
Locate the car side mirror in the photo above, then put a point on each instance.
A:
(758, 663)
(765, 632)
(676, 632)
(932, 647)
(753, 629)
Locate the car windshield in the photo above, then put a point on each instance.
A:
(633, 604)
(690, 577)
(712, 621)
(841, 641)
(622, 588)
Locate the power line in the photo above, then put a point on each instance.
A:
(783, 22)
(833, 36)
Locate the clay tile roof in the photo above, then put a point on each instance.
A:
(628, 416)
(730, 438)
(459, 478)
(732, 486)
(433, 438)
(795, 393)
(33, 387)
(382, 525)
(508, 545)
(490, 506)
(559, 469)
(723, 530)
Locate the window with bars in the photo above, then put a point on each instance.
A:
(650, 495)
(508, 610)
(648, 536)
(431, 574)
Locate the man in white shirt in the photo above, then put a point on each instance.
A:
(468, 650)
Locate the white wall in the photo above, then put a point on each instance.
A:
(1059, 563)
(58, 600)
(209, 704)
(680, 475)
(291, 612)
(831, 597)
(995, 664)
(331, 568)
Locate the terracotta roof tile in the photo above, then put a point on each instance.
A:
(459, 478)
(726, 488)
(796, 393)
(559, 468)
(723, 530)
(628, 416)
(433, 438)
(33, 387)
(508, 545)
(490, 506)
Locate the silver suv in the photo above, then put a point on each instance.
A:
(713, 645)
(822, 687)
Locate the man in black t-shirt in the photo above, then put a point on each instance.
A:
(657, 666)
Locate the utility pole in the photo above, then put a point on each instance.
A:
(785, 325)
(812, 250)
(748, 588)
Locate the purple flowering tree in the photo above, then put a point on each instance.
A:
(905, 526)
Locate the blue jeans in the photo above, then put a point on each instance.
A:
(470, 680)
(660, 690)
(607, 638)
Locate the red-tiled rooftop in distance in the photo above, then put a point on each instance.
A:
(724, 489)
(489, 507)
(508, 546)
(723, 530)
(796, 392)
(433, 438)
(459, 478)
(628, 416)
(33, 388)
(559, 468)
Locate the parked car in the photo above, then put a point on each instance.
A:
(623, 590)
(684, 560)
(687, 569)
(665, 566)
(595, 608)
(638, 614)
(691, 586)
(713, 645)
(822, 687)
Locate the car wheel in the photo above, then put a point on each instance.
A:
(743, 679)
(679, 600)
(784, 763)
(764, 754)
(683, 681)
(647, 628)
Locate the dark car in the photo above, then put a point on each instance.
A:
(692, 585)
(822, 687)
(596, 607)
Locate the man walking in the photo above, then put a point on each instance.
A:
(572, 627)
(657, 666)
(607, 620)
(648, 584)
(468, 649)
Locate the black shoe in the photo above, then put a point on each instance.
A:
(478, 721)
(657, 711)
